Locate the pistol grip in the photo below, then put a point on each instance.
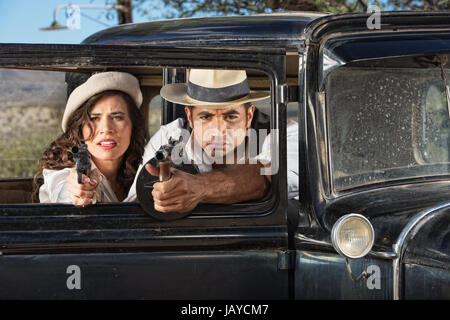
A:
(80, 177)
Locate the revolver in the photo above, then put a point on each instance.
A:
(145, 181)
(163, 158)
(82, 159)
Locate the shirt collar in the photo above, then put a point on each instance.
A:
(199, 157)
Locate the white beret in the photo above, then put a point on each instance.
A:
(98, 83)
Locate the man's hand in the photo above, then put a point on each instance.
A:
(231, 184)
(181, 193)
(82, 194)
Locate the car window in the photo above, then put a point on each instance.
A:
(435, 126)
(263, 105)
(32, 103)
(154, 115)
(292, 151)
(386, 123)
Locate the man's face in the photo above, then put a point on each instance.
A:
(219, 131)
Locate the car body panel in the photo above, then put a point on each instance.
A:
(429, 243)
(426, 283)
(332, 280)
(144, 275)
(389, 206)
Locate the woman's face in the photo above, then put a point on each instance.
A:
(112, 127)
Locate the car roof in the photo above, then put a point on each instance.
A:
(280, 29)
(287, 30)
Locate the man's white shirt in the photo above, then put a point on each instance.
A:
(175, 129)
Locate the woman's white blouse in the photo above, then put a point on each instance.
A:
(54, 189)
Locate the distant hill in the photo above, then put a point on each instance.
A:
(26, 88)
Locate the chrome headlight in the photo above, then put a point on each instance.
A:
(352, 236)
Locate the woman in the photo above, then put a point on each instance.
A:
(103, 113)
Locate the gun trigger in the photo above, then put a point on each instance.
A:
(149, 185)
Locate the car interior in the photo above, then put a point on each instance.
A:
(16, 183)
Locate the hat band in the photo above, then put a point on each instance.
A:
(224, 94)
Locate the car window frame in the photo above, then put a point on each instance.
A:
(101, 58)
(338, 50)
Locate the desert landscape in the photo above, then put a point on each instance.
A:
(32, 104)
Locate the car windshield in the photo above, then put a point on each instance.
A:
(387, 123)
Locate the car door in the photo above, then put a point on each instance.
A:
(116, 250)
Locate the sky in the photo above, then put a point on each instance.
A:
(20, 21)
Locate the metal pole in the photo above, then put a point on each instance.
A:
(125, 13)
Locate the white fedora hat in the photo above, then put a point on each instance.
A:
(212, 88)
(99, 82)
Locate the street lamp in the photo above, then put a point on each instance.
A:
(57, 26)
(54, 26)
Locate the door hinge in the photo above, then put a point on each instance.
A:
(287, 93)
(286, 260)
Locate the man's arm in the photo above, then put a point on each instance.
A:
(235, 183)
(226, 185)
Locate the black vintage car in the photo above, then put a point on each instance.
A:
(372, 215)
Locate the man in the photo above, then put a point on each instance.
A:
(219, 109)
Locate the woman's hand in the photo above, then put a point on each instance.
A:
(82, 194)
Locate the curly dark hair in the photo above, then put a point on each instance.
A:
(59, 156)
